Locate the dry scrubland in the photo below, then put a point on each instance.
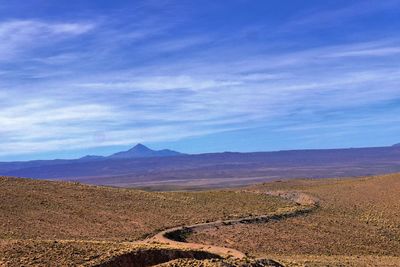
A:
(46, 223)
(93, 254)
(41, 221)
(55, 253)
(55, 210)
(357, 224)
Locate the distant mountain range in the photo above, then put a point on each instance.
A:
(138, 151)
(144, 167)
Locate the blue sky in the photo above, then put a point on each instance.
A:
(94, 77)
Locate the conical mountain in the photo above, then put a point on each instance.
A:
(142, 151)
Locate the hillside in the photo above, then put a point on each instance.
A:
(69, 210)
(335, 222)
(357, 224)
(43, 220)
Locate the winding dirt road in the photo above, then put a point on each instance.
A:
(176, 237)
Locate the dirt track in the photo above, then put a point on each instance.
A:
(175, 237)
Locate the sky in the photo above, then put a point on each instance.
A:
(82, 77)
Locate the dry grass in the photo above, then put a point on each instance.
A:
(338, 261)
(357, 217)
(357, 223)
(35, 211)
(57, 210)
(89, 254)
(54, 253)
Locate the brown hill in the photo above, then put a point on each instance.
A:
(40, 220)
(355, 223)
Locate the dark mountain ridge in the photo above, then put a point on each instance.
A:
(138, 151)
(141, 151)
(220, 168)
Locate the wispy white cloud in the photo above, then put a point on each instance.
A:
(178, 44)
(328, 17)
(158, 83)
(68, 28)
(139, 109)
(372, 52)
(20, 35)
